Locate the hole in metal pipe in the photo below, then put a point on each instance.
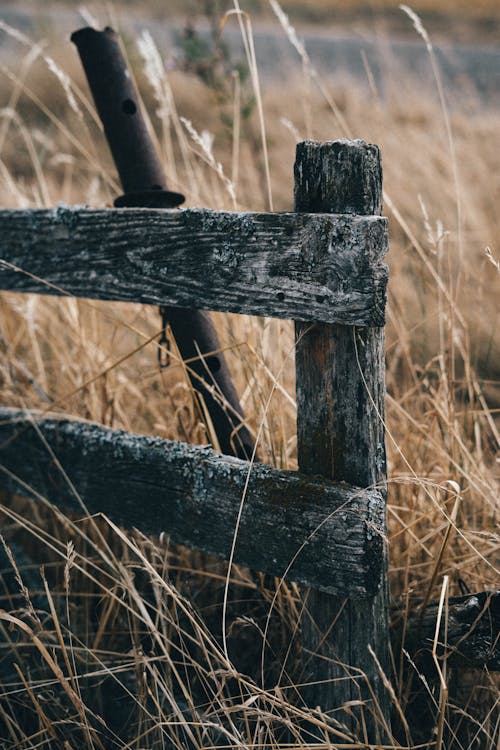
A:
(213, 363)
(129, 107)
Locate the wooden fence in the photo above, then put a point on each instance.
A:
(321, 266)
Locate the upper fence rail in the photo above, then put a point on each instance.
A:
(310, 267)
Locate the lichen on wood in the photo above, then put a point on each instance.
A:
(285, 265)
(316, 532)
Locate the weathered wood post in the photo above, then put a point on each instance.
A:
(340, 433)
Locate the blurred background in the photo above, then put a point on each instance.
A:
(230, 89)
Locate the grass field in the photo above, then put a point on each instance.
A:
(127, 629)
(457, 20)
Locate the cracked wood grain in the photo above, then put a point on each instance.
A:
(340, 435)
(302, 267)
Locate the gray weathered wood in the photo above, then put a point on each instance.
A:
(193, 494)
(340, 410)
(468, 637)
(308, 267)
(338, 177)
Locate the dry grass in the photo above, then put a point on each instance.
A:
(421, 6)
(440, 14)
(127, 629)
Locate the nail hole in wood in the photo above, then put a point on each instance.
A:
(280, 296)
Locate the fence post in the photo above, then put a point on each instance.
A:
(340, 435)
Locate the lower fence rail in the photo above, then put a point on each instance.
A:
(310, 530)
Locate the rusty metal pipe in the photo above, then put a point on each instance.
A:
(143, 180)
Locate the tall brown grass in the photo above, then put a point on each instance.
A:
(117, 642)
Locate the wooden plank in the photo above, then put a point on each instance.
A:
(304, 267)
(193, 494)
(340, 412)
(468, 637)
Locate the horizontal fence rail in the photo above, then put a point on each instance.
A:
(194, 494)
(310, 267)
